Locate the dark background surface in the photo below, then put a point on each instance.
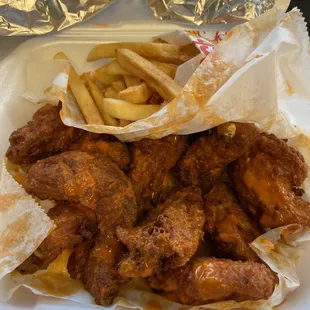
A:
(304, 6)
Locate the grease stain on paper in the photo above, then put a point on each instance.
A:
(56, 280)
(288, 88)
(11, 241)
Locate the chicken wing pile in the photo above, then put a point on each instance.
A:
(267, 179)
(168, 237)
(114, 212)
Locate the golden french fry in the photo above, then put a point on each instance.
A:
(98, 96)
(111, 93)
(114, 68)
(83, 77)
(83, 98)
(123, 123)
(131, 80)
(157, 51)
(169, 69)
(119, 85)
(102, 69)
(106, 78)
(136, 94)
(128, 111)
(167, 88)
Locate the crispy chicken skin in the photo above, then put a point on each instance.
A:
(265, 179)
(45, 135)
(97, 183)
(100, 274)
(73, 226)
(206, 280)
(228, 226)
(151, 160)
(102, 145)
(168, 238)
(205, 160)
(92, 181)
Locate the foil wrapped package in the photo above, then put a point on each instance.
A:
(203, 12)
(34, 17)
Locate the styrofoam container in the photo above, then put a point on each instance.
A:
(76, 44)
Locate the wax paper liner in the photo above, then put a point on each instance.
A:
(23, 224)
(258, 73)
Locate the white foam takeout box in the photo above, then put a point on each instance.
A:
(114, 24)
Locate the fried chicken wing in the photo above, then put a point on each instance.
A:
(229, 227)
(168, 238)
(266, 179)
(73, 226)
(151, 160)
(100, 275)
(86, 179)
(205, 160)
(97, 183)
(206, 280)
(45, 135)
(102, 145)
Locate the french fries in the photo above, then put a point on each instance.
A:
(145, 70)
(114, 68)
(169, 69)
(128, 111)
(84, 99)
(131, 80)
(111, 93)
(119, 85)
(98, 96)
(82, 96)
(157, 51)
(136, 94)
(133, 85)
(106, 78)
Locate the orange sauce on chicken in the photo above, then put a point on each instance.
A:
(269, 192)
(110, 250)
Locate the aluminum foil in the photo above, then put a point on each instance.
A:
(203, 12)
(33, 17)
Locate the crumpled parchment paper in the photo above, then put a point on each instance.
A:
(23, 224)
(258, 73)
